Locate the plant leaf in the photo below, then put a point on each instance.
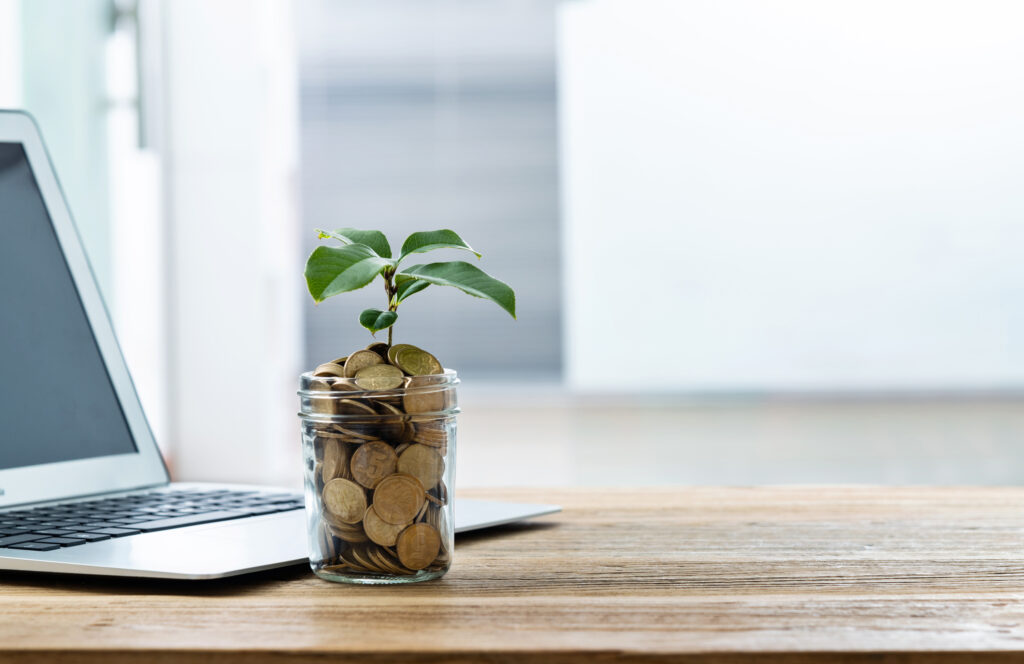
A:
(333, 270)
(467, 278)
(373, 239)
(408, 286)
(376, 320)
(417, 243)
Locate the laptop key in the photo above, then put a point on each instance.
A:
(116, 532)
(190, 520)
(61, 541)
(53, 532)
(88, 537)
(19, 539)
(35, 546)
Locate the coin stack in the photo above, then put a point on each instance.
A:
(379, 469)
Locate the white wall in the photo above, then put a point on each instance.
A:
(10, 53)
(234, 267)
(793, 196)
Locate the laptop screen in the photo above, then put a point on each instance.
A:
(57, 402)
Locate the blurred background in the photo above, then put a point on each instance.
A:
(751, 242)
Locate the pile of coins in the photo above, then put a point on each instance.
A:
(379, 470)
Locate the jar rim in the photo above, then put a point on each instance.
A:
(412, 385)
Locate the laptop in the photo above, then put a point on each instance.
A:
(83, 488)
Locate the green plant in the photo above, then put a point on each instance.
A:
(365, 255)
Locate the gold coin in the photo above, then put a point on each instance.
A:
(417, 362)
(380, 377)
(353, 407)
(354, 560)
(423, 401)
(389, 561)
(329, 369)
(380, 348)
(423, 463)
(345, 500)
(379, 530)
(393, 351)
(360, 360)
(356, 435)
(387, 408)
(319, 385)
(373, 462)
(335, 459)
(344, 385)
(392, 423)
(426, 381)
(418, 545)
(432, 432)
(407, 433)
(352, 535)
(397, 498)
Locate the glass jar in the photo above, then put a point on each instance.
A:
(379, 466)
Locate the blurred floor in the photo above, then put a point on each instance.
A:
(509, 440)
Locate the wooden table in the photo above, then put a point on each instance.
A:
(707, 574)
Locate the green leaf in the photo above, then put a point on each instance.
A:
(408, 286)
(376, 320)
(467, 278)
(417, 243)
(373, 239)
(333, 270)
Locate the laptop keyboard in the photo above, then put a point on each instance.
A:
(74, 524)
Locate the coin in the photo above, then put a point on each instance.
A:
(353, 407)
(373, 462)
(379, 530)
(319, 385)
(360, 360)
(392, 423)
(432, 432)
(379, 377)
(388, 560)
(417, 362)
(393, 351)
(423, 463)
(344, 385)
(385, 408)
(397, 498)
(348, 533)
(380, 348)
(353, 558)
(423, 401)
(354, 435)
(418, 545)
(345, 500)
(335, 460)
(329, 369)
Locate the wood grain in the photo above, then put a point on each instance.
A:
(703, 574)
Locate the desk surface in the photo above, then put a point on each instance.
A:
(826, 573)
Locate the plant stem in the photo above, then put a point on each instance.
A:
(389, 288)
